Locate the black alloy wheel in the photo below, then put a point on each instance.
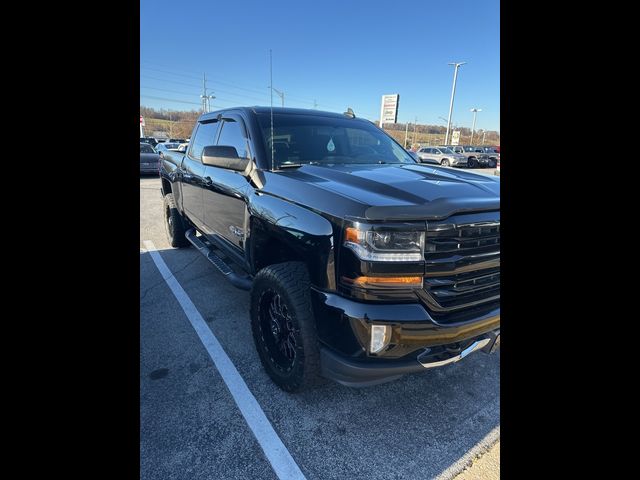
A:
(277, 330)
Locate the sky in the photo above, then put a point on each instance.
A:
(336, 54)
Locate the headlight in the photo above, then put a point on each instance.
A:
(385, 246)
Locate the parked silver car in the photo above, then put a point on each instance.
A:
(166, 146)
(414, 155)
(442, 156)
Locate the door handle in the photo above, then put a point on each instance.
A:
(207, 182)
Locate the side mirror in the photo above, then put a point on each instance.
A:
(224, 156)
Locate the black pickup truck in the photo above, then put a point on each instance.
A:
(363, 264)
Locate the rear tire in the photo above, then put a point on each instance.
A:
(283, 326)
(174, 223)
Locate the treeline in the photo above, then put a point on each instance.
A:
(171, 115)
(491, 137)
(179, 123)
(168, 123)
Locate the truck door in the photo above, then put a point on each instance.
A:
(193, 171)
(225, 191)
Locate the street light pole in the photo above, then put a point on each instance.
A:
(453, 94)
(406, 133)
(475, 112)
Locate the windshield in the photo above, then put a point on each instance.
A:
(171, 145)
(146, 148)
(320, 140)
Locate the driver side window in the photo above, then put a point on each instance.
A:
(231, 135)
(205, 135)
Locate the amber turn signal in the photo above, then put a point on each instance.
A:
(384, 281)
(351, 235)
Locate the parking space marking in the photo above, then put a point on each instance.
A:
(279, 457)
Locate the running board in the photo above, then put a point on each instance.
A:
(239, 281)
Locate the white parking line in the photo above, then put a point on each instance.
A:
(281, 460)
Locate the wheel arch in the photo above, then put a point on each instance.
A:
(280, 231)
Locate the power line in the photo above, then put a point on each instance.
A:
(193, 93)
(170, 81)
(294, 97)
(170, 100)
(165, 90)
(301, 99)
(170, 73)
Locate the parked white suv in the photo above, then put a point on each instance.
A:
(441, 156)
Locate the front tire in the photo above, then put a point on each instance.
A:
(445, 162)
(472, 162)
(174, 223)
(283, 326)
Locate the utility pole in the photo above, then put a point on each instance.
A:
(280, 94)
(484, 132)
(453, 94)
(406, 132)
(414, 130)
(475, 112)
(205, 99)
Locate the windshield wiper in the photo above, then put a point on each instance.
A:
(296, 165)
(290, 165)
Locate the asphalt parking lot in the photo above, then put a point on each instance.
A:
(423, 426)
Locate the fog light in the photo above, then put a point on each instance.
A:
(380, 336)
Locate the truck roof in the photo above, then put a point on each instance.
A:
(261, 109)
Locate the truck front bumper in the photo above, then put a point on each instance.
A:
(427, 342)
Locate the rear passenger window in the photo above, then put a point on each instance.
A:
(205, 136)
(231, 135)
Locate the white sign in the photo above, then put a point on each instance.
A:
(142, 121)
(389, 109)
(455, 137)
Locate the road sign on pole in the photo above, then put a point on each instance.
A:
(455, 137)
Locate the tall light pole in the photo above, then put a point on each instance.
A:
(445, 122)
(475, 112)
(453, 94)
(406, 133)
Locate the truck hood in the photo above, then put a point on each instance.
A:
(386, 192)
